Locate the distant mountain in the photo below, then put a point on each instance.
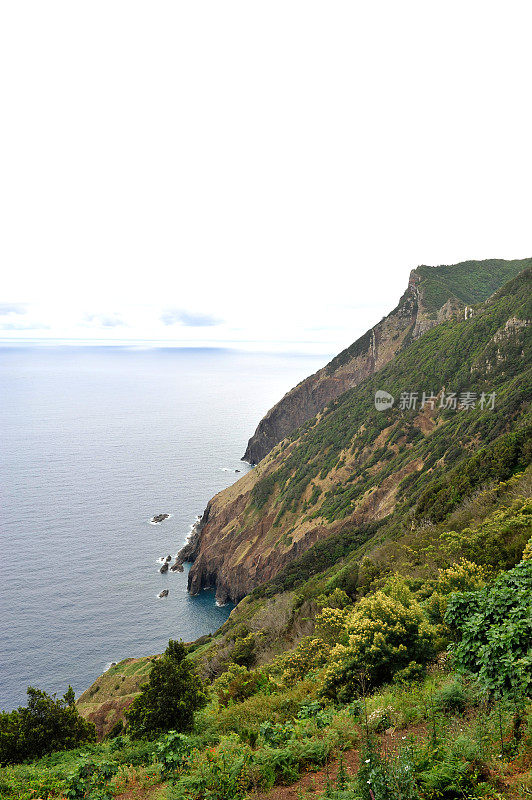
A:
(349, 466)
(434, 294)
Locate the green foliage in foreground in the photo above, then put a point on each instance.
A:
(170, 698)
(494, 631)
(91, 780)
(46, 724)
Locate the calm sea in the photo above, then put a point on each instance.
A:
(95, 440)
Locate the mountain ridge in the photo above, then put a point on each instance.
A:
(433, 295)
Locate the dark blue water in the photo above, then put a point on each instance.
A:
(94, 442)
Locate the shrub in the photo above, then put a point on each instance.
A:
(172, 750)
(313, 711)
(386, 633)
(411, 673)
(44, 725)
(221, 773)
(451, 698)
(493, 627)
(243, 651)
(308, 655)
(251, 713)
(169, 699)
(499, 539)
(330, 625)
(91, 780)
(238, 683)
(276, 734)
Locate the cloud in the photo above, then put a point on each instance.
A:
(29, 325)
(15, 317)
(104, 320)
(12, 308)
(172, 316)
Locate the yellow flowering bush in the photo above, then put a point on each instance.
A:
(292, 666)
(385, 633)
(527, 553)
(499, 539)
(464, 576)
(331, 624)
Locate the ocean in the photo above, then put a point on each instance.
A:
(95, 441)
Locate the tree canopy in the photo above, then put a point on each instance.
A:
(169, 699)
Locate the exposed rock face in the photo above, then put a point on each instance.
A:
(240, 542)
(411, 319)
(238, 548)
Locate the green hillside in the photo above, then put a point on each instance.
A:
(392, 658)
(461, 356)
(470, 281)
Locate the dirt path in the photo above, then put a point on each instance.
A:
(316, 781)
(153, 793)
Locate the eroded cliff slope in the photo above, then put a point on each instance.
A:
(353, 465)
(433, 295)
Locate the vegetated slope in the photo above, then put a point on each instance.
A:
(434, 294)
(353, 465)
(105, 701)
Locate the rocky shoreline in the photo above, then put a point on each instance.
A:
(189, 550)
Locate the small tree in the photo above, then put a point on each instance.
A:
(44, 725)
(170, 698)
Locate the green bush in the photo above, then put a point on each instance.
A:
(221, 773)
(91, 780)
(172, 751)
(276, 734)
(451, 697)
(493, 628)
(46, 724)
(238, 683)
(243, 651)
(170, 698)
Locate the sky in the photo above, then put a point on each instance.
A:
(251, 174)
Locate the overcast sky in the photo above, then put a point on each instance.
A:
(253, 174)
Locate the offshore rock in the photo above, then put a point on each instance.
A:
(159, 517)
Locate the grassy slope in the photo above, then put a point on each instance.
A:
(487, 519)
(104, 702)
(470, 282)
(458, 355)
(496, 515)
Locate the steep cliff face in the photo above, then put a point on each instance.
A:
(434, 294)
(352, 464)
